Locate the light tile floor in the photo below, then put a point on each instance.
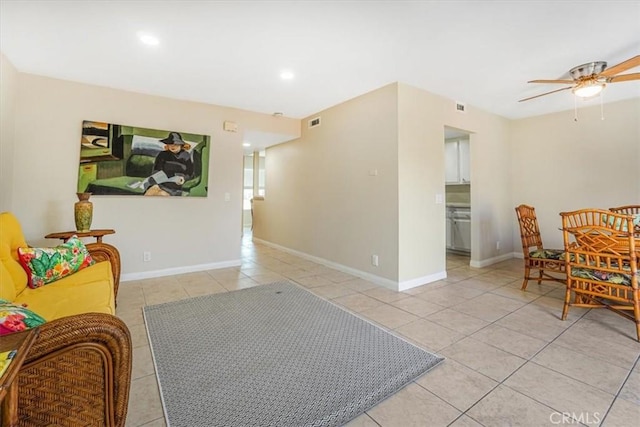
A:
(510, 360)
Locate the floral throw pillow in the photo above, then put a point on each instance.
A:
(16, 318)
(46, 265)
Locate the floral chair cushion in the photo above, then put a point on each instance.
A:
(602, 276)
(547, 254)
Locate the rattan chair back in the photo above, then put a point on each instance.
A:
(536, 256)
(629, 210)
(602, 262)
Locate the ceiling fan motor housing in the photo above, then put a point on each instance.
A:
(587, 70)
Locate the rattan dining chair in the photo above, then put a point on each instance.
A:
(630, 210)
(627, 210)
(536, 256)
(602, 262)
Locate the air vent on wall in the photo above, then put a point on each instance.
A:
(314, 122)
(461, 107)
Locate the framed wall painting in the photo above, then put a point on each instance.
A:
(131, 161)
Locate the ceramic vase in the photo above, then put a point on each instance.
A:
(83, 210)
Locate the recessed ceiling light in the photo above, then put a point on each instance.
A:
(148, 39)
(246, 144)
(286, 75)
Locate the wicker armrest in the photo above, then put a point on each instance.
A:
(106, 252)
(78, 372)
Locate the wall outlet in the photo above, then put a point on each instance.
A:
(146, 256)
(498, 245)
(374, 260)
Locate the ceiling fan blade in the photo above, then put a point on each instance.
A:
(547, 93)
(623, 66)
(624, 78)
(552, 81)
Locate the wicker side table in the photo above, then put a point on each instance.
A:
(21, 342)
(65, 235)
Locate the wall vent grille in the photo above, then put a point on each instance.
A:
(461, 107)
(314, 122)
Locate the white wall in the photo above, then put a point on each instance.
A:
(181, 233)
(563, 165)
(8, 83)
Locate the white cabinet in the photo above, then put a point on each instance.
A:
(449, 229)
(457, 162)
(464, 160)
(451, 162)
(459, 229)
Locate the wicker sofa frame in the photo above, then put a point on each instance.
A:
(78, 372)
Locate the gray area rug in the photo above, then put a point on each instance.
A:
(273, 355)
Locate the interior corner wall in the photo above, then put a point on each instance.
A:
(180, 233)
(333, 193)
(563, 165)
(422, 118)
(364, 182)
(8, 83)
(420, 178)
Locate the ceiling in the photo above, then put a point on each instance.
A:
(481, 53)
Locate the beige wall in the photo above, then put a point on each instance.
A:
(322, 201)
(563, 165)
(491, 205)
(8, 83)
(423, 117)
(183, 234)
(362, 183)
(323, 196)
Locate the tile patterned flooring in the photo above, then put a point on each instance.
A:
(510, 360)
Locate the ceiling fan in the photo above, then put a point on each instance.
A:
(589, 79)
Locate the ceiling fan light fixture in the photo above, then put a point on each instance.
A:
(588, 90)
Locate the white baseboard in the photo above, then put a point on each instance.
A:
(413, 283)
(382, 281)
(179, 270)
(494, 260)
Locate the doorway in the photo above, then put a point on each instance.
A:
(253, 184)
(457, 195)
